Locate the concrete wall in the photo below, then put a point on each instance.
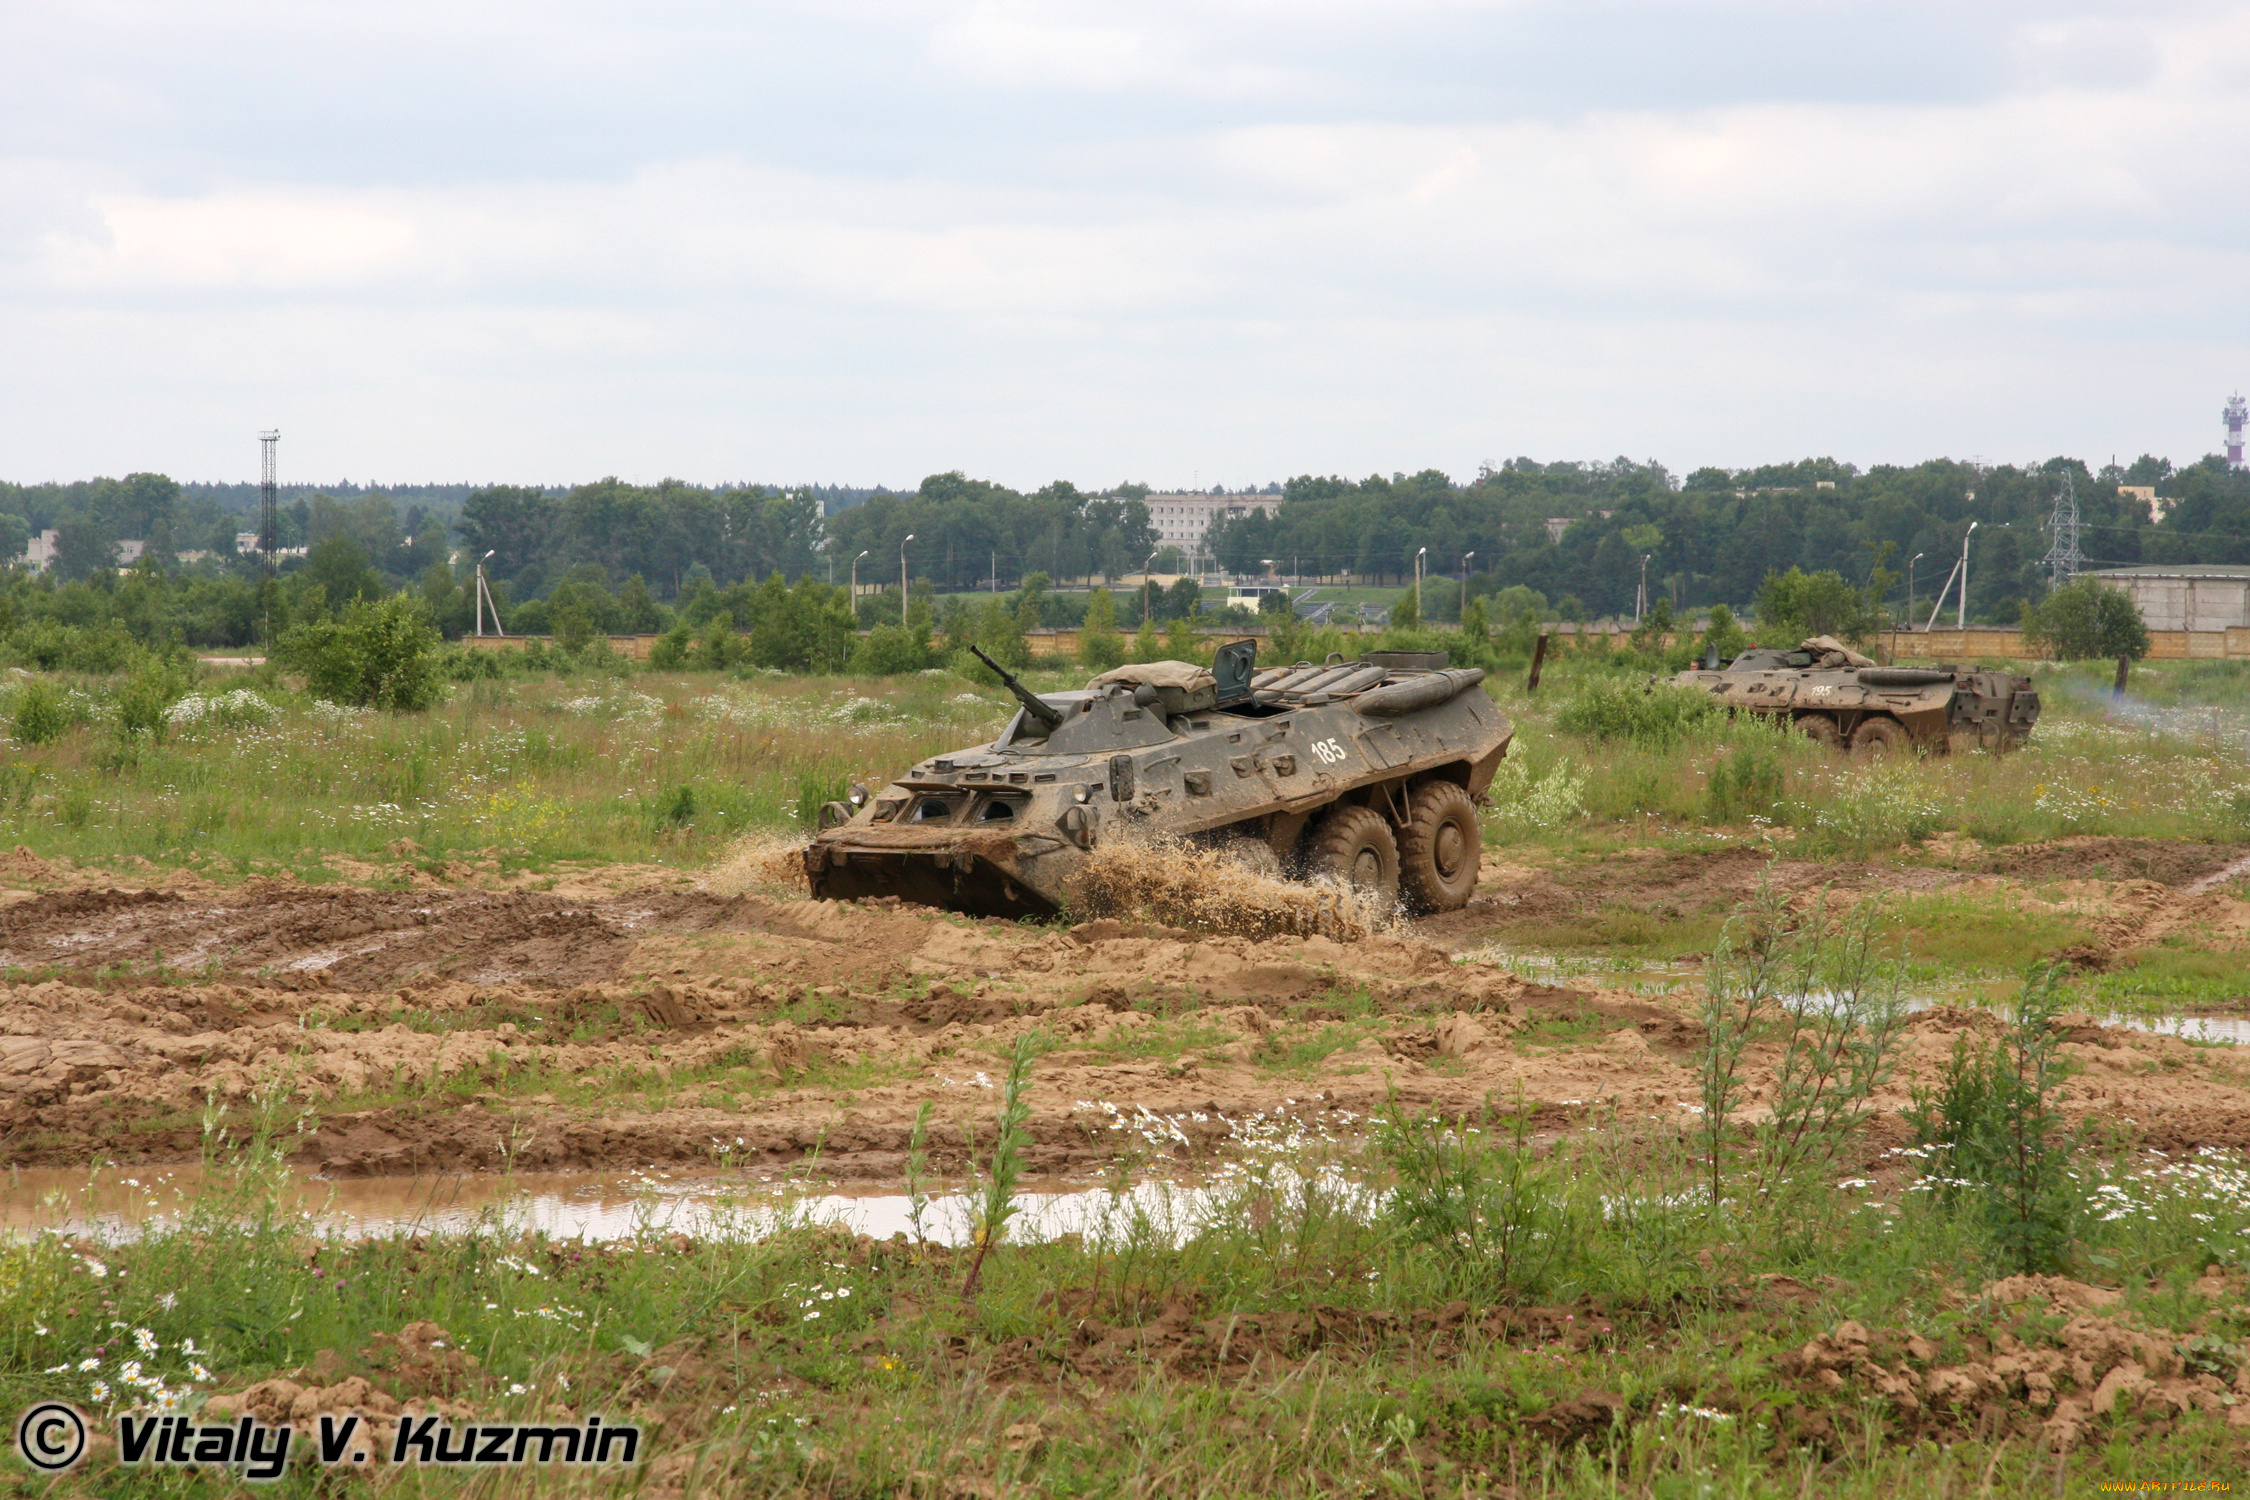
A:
(634, 646)
(2187, 604)
(1974, 644)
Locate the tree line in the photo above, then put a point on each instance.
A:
(1577, 533)
(630, 557)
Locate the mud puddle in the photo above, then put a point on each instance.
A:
(117, 1204)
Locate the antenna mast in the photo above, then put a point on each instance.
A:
(2237, 412)
(2063, 557)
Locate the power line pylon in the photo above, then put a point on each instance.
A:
(2064, 560)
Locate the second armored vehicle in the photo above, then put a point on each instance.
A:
(1843, 699)
(1367, 771)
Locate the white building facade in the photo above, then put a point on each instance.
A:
(1184, 520)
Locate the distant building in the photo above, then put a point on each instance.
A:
(39, 552)
(2186, 596)
(1557, 525)
(2146, 494)
(1184, 520)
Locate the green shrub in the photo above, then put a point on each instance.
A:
(379, 654)
(43, 712)
(671, 650)
(1991, 1126)
(1495, 1214)
(1747, 782)
(1656, 716)
(147, 697)
(889, 651)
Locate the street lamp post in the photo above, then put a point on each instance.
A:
(1961, 608)
(483, 594)
(1418, 556)
(902, 592)
(855, 583)
(1910, 562)
(1640, 601)
(1146, 564)
(1461, 605)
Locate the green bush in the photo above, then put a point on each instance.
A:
(1747, 782)
(146, 697)
(380, 654)
(1655, 716)
(1991, 1126)
(671, 650)
(1489, 1209)
(43, 713)
(889, 651)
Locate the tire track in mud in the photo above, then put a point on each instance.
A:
(469, 1030)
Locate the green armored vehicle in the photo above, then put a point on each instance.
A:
(1366, 771)
(1843, 699)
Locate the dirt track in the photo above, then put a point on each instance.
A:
(462, 1028)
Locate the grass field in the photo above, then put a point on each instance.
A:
(1615, 1305)
(1594, 1326)
(671, 767)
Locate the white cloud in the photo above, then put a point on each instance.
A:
(1093, 240)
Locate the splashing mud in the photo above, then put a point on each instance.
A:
(767, 864)
(1222, 892)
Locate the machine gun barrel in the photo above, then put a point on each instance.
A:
(1044, 713)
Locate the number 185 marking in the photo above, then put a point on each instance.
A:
(1330, 752)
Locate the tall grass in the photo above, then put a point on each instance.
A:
(641, 768)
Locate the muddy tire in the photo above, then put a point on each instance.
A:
(1822, 731)
(1354, 845)
(1880, 739)
(1439, 847)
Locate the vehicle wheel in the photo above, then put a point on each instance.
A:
(1439, 847)
(1354, 845)
(1879, 739)
(1822, 731)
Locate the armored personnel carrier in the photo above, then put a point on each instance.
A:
(1367, 771)
(1843, 699)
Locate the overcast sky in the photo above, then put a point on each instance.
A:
(1223, 242)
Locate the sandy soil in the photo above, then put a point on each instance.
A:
(627, 1018)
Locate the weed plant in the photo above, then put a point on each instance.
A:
(1820, 986)
(1995, 1138)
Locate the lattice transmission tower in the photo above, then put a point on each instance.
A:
(269, 497)
(2063, 557)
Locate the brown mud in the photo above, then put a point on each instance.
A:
(463, 1028)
